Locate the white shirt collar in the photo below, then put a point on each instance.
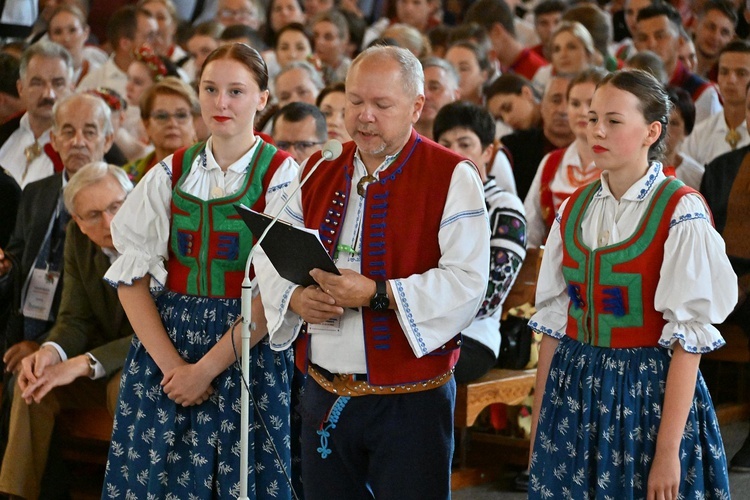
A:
(640, 189)
(360, 168)
(26, 126)
(238, 167)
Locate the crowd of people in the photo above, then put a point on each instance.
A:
(613, 134)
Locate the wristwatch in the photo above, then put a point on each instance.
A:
(380, 301)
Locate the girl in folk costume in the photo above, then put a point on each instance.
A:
(633, 276)
(176, 431)
(564, 170)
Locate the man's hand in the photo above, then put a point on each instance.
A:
(16, 353)
(34, 365)
(314, 305)
(351, 289)
(188, 384)
(53, 375)
(5, 263)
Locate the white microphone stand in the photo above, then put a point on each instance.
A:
(331, 150)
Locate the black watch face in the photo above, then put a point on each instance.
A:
(380, 303)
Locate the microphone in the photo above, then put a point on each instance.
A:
(331, 150)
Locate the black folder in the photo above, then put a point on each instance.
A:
(293, 251)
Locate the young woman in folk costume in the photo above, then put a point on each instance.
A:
(564, 170)
(176, 430)
(632, 279)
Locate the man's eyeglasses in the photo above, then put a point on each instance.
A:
(94, 217)
(298, 145)
(162, 117)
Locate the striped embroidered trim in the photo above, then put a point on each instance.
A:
(462, 215)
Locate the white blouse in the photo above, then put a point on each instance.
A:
(140, 230)
(697, 286)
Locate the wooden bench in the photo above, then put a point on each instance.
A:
(509, 387)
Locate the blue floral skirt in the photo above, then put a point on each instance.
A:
(161, 450)
(598, 425)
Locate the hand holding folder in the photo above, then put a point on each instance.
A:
(292, 250)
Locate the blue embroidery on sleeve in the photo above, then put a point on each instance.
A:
(687, 217)
(410, 317)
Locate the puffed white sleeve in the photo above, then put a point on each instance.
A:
(140, 230)
(434, 306)
(551, 299)
(697, 286)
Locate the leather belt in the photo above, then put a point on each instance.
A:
(355, 384)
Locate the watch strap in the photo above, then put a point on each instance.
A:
(380, 288)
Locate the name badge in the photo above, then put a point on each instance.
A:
(330, 327)
(40, 294)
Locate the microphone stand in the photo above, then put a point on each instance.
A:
(331, 150)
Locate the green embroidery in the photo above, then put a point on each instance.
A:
(608, 258)
(206, 276)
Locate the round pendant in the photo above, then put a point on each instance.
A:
(363, 182)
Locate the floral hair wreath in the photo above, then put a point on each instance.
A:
(153, 62)
(112, 98)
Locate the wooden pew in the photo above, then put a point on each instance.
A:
(510, 387)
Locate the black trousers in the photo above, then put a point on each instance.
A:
(386, 447)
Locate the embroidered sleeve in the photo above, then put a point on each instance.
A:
(698, 287)
(507, 249)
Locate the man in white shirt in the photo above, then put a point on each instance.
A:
(127, 29)
(46, 75)
(726, 131)
(440, 88)
(406, 224)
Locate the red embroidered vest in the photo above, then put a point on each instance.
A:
(209, 242)
(401, 220)
(612, 289)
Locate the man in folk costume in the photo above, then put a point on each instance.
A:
(46, 75)
(405, 222)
